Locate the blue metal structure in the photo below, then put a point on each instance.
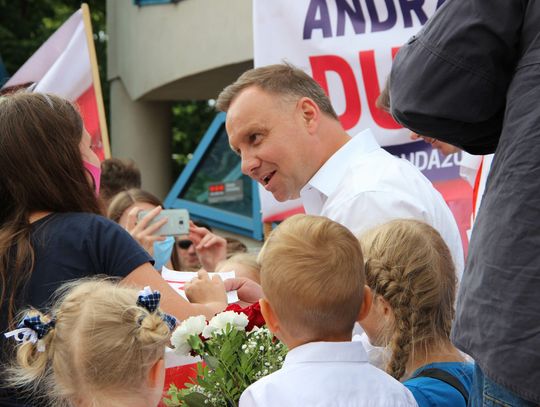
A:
(152, 2)
(213, 161)
(3, 73)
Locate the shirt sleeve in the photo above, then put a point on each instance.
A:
(247, 399)
(450, 81)
(113, 250)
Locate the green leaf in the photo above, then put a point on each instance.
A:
(211, 361)
(195, 400)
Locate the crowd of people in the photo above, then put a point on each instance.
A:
(87, 315)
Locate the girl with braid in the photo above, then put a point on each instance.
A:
(412, 277)
(102, 344)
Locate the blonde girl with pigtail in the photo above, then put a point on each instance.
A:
(101, 345)
(412, 277)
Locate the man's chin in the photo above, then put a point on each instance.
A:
(283, 198)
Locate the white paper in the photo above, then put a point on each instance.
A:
(174, 360)
(177, 279)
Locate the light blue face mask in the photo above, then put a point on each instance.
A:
(162, 252)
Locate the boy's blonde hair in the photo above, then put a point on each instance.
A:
(312, 274)
(410, 266)
(102, 344)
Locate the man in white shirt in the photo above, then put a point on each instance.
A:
(323, 367)
(283, 126)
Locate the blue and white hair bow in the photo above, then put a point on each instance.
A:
(31, 329)
(149, 300)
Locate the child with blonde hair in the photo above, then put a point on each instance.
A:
(102, 344)
(244, 265)
(312, 297)
(412, 276)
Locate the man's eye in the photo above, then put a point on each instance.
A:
(254, 138)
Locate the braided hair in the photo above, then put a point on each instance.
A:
(409, 265)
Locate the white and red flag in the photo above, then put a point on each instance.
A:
(66, 65)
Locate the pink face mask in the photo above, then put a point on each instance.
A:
(95, 172)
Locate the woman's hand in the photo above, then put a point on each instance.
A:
(205, 290)
(210, 248)
(141, 231)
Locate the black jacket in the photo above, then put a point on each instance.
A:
(471, 77)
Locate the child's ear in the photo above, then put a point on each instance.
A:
(366, 304)
(387, 309)
(269, 316)
(156, 373)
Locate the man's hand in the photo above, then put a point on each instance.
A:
(248, 290)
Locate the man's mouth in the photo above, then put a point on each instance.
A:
(266, 179)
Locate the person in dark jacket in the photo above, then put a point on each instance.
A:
(471, 77)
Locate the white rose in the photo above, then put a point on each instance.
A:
(190, 326)
(220, 321)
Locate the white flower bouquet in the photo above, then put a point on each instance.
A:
(233, 359)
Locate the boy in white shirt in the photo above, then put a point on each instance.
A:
(312, 276)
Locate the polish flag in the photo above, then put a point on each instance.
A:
(66, 65)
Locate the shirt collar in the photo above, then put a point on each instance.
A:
(327, 352)
(327, 178)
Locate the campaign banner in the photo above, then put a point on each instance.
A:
(348, 47)
(66, 65)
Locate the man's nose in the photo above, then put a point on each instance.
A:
(249, 165)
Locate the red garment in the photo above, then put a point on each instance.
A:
(253, 313)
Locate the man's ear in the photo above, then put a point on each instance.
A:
(366, 304)
(156, 373)
(269, 316)
(311, 113)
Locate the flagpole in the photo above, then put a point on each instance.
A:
(95, 79)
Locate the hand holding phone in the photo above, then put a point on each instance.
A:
(177, 222)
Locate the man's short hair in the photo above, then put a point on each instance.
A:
(312, 274)
(118, 175)
(280, 79)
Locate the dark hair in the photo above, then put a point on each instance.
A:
(41, 169)
(118, 175)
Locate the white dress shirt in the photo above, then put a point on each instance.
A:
(327, 374)
(362, 186)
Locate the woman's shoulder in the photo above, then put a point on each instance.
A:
(75, 221)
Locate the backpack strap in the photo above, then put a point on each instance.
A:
(446, 377)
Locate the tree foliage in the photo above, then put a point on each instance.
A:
(189, 123)
(26, 24)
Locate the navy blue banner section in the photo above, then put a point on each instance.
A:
(433, 164)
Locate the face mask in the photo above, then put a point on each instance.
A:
(95, 172)
(162, 252)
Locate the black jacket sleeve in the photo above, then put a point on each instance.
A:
(450, 81)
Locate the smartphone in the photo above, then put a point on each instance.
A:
(177, 221)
